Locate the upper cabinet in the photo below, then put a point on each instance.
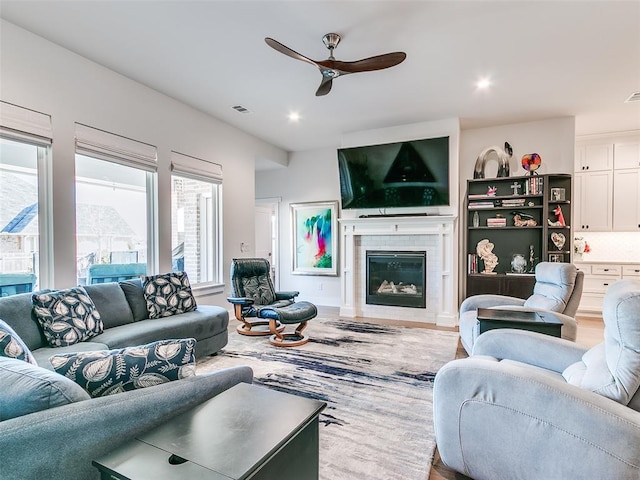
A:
(594, 157)
(593, 197)
(607, 183)
(627, 155)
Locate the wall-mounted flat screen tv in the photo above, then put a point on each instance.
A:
(392, 175)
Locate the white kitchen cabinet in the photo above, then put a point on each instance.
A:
(594, 157)
(607, 183)
(626, 200)
(597, 279)
(626, 155)
(593, 197)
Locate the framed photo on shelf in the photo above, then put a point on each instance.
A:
(314, 246)
(558, 195)
(556, 257)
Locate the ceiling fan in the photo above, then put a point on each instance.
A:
(332, 68)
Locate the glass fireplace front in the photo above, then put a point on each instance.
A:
(396, 278)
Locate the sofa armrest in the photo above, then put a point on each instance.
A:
(240, 300)
(68, 438)
(532, 348)
(287, 295)
(488, 413)
(487, 301)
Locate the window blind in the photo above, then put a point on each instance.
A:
(96, 143)
(195, 168)
(22, 124)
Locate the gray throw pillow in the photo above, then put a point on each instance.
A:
(168, 294)
(107, 372)
(12, 346)
(67, 316)
(27, 388)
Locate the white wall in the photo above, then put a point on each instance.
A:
(39, 75)
(313, 176)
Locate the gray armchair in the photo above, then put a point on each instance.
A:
(558, 288)
(531, 406)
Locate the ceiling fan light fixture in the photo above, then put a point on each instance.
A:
(331, 40)
(332, 68)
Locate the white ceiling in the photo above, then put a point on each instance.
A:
(546, 59)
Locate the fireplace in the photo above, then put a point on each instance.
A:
(433, 234)
(396, 278)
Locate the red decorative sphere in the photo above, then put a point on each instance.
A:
(531, 162)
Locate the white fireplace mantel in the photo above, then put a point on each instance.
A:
(434, 234)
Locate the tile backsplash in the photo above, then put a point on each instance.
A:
(610, 247)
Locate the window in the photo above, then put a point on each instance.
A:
(115, 198)
(25, 139)
(195, 218)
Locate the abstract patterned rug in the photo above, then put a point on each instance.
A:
(377, 381)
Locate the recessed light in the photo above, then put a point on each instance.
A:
(294, 116)
(483, 83)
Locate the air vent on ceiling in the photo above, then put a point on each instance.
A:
(635, 97)
(241, 109)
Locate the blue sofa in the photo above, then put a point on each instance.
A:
(123, 311)
(51, 428)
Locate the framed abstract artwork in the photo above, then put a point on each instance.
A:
(314, 243)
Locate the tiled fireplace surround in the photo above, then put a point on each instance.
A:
(431, 234)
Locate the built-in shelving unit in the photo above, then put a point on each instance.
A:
(491, 208)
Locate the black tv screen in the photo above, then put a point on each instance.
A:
(391, 175)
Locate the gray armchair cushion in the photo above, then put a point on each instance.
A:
(27, 388)
(554, 286)
(612, 369)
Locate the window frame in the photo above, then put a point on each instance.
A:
(23, 125)
(188, 167)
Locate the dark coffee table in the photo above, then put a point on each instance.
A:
(541, 322)
(245, 432)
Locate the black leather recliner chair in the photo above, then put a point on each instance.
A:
(261, 309)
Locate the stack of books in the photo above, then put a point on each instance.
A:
(513, 202)
(477, 205)
(472, 263)
(497, 222)
(533, 185)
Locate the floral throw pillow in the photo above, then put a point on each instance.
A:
(258, 289)
(107, 372)
(168, 294)
(67, 316)
(12, 346)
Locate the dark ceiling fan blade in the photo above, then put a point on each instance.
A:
(287, 51)
(325, 86)
(379, 62)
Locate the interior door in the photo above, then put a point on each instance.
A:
(264, 240)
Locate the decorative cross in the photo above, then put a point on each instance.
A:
(516, 187)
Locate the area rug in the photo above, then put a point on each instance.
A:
(377, 381)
